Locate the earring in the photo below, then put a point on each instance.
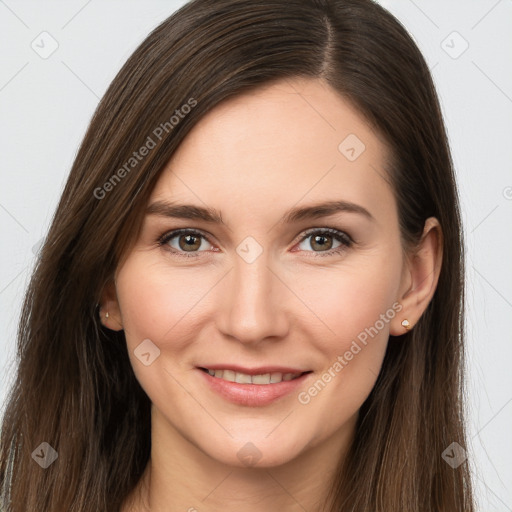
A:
(406, 324)
(106, 314)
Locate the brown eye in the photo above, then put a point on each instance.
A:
(188, 241)
(322, 240)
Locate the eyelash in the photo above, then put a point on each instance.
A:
(340, 236)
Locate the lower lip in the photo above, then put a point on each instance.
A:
(253, 395)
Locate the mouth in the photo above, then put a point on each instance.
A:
(261, 379)
(253, 387)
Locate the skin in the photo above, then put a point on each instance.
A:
(253, 158)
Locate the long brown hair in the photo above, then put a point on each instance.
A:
(75, 388)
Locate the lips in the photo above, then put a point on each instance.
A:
(252, 386)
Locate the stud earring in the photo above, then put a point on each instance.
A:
(406, 324)
(106, 314)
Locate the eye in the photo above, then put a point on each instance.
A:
(187, 240)
(188, 243)
(322, 239)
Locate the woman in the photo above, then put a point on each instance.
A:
(251, 295)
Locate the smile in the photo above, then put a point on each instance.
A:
(244, 378)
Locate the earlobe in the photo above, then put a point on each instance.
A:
(420, 278)
(109, 312)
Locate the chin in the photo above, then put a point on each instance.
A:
(257, 453)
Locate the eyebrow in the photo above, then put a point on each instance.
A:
(315, 211)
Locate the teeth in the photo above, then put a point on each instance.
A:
(261, 379)
(276, 377)
(243, 378)
(229, 375)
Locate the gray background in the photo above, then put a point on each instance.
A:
(46, 104)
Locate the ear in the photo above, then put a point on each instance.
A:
(110, 305)
(420, 277)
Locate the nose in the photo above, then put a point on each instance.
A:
(253, 302)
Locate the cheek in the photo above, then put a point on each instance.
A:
(160, 306)
(353, 298)
(155, 303)
(353, 349)
(356, 306)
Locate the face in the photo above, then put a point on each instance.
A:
(277, 285)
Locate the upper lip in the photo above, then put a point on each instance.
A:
(260, 370)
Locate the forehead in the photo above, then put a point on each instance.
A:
(293, 141)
